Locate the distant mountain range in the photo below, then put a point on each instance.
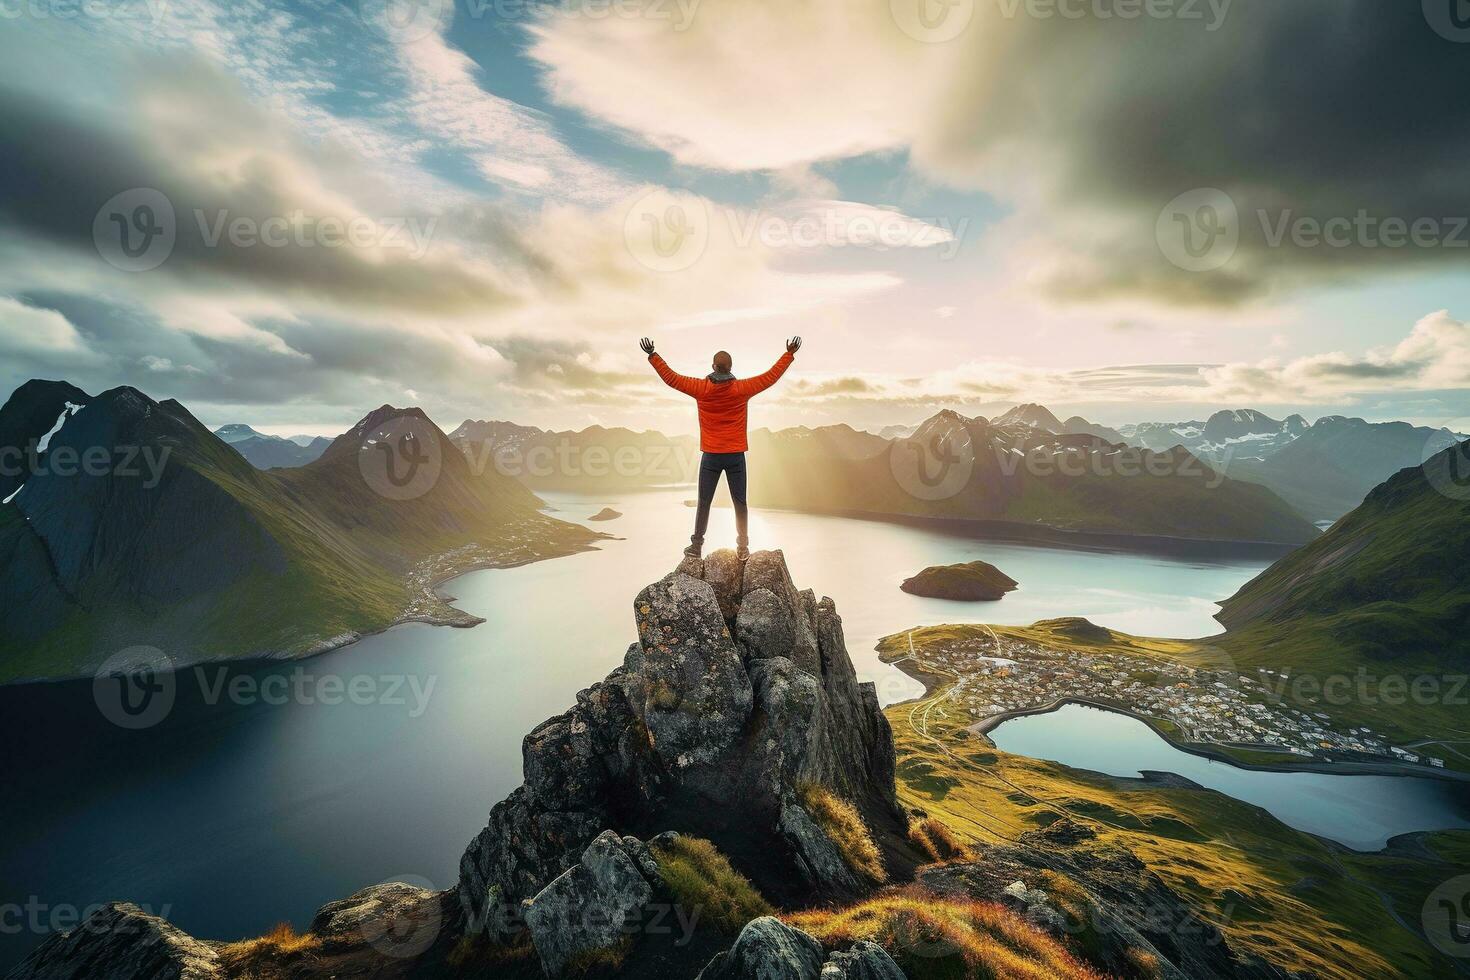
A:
(138, 526)
(269, 452)
(1323, 469)
(1015, 472)
(594, 459)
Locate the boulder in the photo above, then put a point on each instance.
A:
(865, 961)
(767, 949)
(589, 905)
(816, 857)
(120, 941)
(692, 693)
(396, 919)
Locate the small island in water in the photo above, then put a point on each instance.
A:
(969, 581)
(606, 514)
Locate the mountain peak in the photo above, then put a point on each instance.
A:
(1032, 414)
(236, 432)
(351, 441)
(738, 692)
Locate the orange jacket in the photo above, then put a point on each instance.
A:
(721, 403)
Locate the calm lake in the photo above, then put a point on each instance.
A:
(231, 816)
(1362, 812)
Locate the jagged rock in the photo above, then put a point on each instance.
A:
(396, 918)
(1034, 904)
(865, 961)
(587, 907)
(767, 949)
(121, 942)
(724, 571)
(816, 857)
(766, 571)
(738, 689)
(694, 694)
(766, 625)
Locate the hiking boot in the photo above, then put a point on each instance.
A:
(742, 552)
(695, 550)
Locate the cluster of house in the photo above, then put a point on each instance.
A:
(1203, 705)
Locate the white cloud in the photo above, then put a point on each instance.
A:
(30, 330)
(511, 144)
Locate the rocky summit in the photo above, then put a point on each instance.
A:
(738, 692)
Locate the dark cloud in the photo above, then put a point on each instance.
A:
(59, 165)
(1315, 109)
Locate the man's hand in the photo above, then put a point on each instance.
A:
(793, 345)
(647, 346)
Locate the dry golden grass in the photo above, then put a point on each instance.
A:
(937, 938)
(269, 955)
(843, 824)
(703, 882)
(1146, 963)
(937, 841)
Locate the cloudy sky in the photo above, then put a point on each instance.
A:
(287, 213)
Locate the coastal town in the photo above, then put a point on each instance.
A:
(1192, 704)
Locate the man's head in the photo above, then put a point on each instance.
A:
(722, 362)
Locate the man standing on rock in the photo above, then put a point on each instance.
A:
(721, 398)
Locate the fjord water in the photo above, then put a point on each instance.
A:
(1362, 812)
(231, 816)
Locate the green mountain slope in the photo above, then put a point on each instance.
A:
(1384, 595)
(178, 543)
(1390, 580)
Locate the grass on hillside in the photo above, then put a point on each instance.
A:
(937, 938)
(937, 841)
(271, 956)
(703, 882)
(1293, 899)
(842, 823)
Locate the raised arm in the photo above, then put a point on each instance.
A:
(754, 386)
(679, 382)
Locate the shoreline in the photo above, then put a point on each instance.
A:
(1202, 750)
(431, 587)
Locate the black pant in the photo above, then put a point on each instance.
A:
(710, 468)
